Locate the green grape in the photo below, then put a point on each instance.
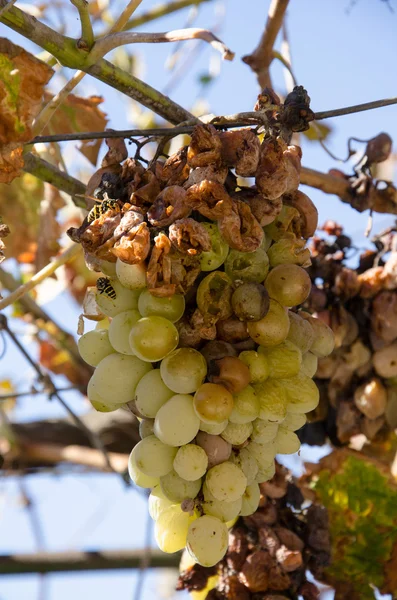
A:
(94, 346)
(213, 403)
(137, 476)
(172, 528)
(177, 489)
(100, 403)
(170, 308)
(289, 249)
(207, 540)
(151, 393)
(146, 428)
(266, 474)
(283, 223)
(246, 462)
(107, 268)
(250, 301)
(287, 442)
(176, 422)
(119, 330)
(152, 338)
(264, 431)
(263, 453)
(289, 284)
(117, 376)
(153, 457)
(324, 340)
(226, 481)
(257, 364)
(309, 364)
(247, 266)
(214, 295)
(272, 399)
(216, 448)
(225, 511)
(132, 277)
(157, 502)
(294, 421)
(250, 499)
(301, 333)
(284, 360)
(214, 258)
(273, 328)
(184, 370)
(301, 392)
(191, 462)
(124, 300)
(102, 324)
(236, 433)
(213, 428)
(246, 406)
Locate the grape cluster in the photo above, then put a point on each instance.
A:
(202, 341)
(269, 551)
(358, 382)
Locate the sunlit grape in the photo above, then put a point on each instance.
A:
(171, 308)
(177, 489)
(289, 284)
(94, 346)
(120, 328)
(117, 376)
(125, 299)
(153, 457)
(226, 481)
(176, 422)
(213, 403)
(207, 540)
(132, 277)
(152, 338)
(171, 529)
(184, 370)
(190, 462)
(151, 393)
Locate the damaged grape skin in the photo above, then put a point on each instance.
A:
(214, 295)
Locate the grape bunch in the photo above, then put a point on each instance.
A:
(202, 340)
(358, 382)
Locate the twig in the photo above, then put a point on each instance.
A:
(348, 110)
(57, 562)
(122, 21)
(34, 393)
(65, 256)
(286, 64)
(110, 42)
(260, 59)
(161, 11)
(62, 181)
(87, 33)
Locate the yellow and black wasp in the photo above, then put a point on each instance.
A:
(105, 287)
(101, 207)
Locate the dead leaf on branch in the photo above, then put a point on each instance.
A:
(77, 115)
(22, 81)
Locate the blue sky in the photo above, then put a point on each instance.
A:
(341, 59)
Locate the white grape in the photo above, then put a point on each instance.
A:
(99, 402)
(225, 511)
(171, 308)
(266, 473)
(263, 453)
(294, 421)
(246, 462)
(246, 406)
(152, 338)
(94, 346)
(184, 370)
(117, 376)
(171, 529)
(146, 428)
(207, 540)
(264, 431)
(301, 333)
(237, 433)
(132, 277)
(309, 364)
(250, 499)
(213, 428)
(151, 393)
(286, 442)
(284, 360)
(301, 392)
(176, 422)
(257, 364)
(157, 502)
(124, 300)
(177, 489)
(137, 476)
(226, 481)
(119, 330)
(191, 462)
(153, 457)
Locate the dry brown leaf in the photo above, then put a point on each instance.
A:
(58, 361)
(77, 115)
(49, 229)
(117, 152)
(22, 81)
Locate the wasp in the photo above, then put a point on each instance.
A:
(102, 207)
(105, 287)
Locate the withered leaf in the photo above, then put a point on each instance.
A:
(22, 81)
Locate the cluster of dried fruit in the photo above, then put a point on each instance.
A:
(269, 552)
(358, 382)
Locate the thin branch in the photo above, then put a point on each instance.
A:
(34, 392)
(286, 64)
(260, 59)
(110, 42)
(161, 11)
(122, 21)
(348, 110)
(69, 254)
(7, 7)
(56, 562)
(62, 181)
(87, 33)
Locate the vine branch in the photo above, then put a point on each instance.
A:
(161, 11)
(87, 33)
(349, 110)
